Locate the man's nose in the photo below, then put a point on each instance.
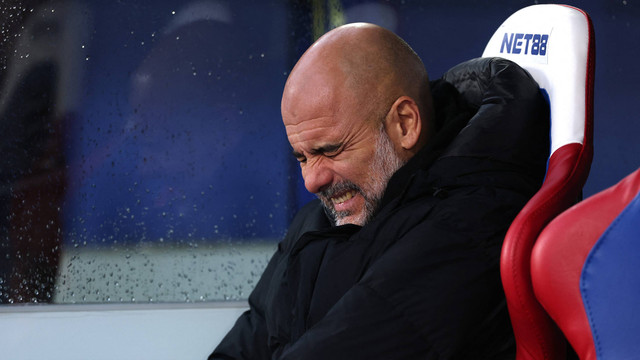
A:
(316, 177)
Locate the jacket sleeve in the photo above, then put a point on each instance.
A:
(248, 339)
(363, 325)
(446, 323)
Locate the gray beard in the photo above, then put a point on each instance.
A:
(384, 164)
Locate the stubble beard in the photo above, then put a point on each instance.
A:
(384, 164)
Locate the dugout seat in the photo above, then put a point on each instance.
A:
(555, 43)
(585, 273)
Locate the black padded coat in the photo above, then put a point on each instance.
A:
(421, 280)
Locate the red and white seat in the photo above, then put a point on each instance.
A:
(555, 43)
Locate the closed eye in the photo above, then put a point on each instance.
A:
(330, 150)
(301, 158)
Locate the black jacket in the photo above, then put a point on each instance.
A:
(421, 280)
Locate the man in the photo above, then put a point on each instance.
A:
(399, 259)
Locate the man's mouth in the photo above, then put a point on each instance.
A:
(344, 197)
(342, 202)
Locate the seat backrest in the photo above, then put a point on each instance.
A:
(585, 272)
(555, 43)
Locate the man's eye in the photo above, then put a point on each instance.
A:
(302, 160)
(332, 154)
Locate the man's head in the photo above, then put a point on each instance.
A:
(355, 107)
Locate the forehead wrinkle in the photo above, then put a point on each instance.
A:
(310, 133)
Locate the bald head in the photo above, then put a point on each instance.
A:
(364, 63)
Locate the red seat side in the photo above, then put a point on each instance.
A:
(559, 255)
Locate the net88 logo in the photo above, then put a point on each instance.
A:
(526, 44)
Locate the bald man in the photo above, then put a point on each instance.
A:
(417, 185)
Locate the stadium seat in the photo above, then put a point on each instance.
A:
(585, 272)
(555, 43)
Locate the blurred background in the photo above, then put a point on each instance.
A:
(142, 155)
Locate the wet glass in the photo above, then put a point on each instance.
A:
(143, 156)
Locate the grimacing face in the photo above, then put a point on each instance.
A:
(333, 108)
(346, 164)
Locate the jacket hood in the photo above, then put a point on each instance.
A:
(491, 128)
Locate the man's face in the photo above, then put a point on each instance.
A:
(346, 163)
(382, 166)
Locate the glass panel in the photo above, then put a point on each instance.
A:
(144, 157)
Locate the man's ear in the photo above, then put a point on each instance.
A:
(404, 125)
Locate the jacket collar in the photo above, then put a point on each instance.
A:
(452, 114)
